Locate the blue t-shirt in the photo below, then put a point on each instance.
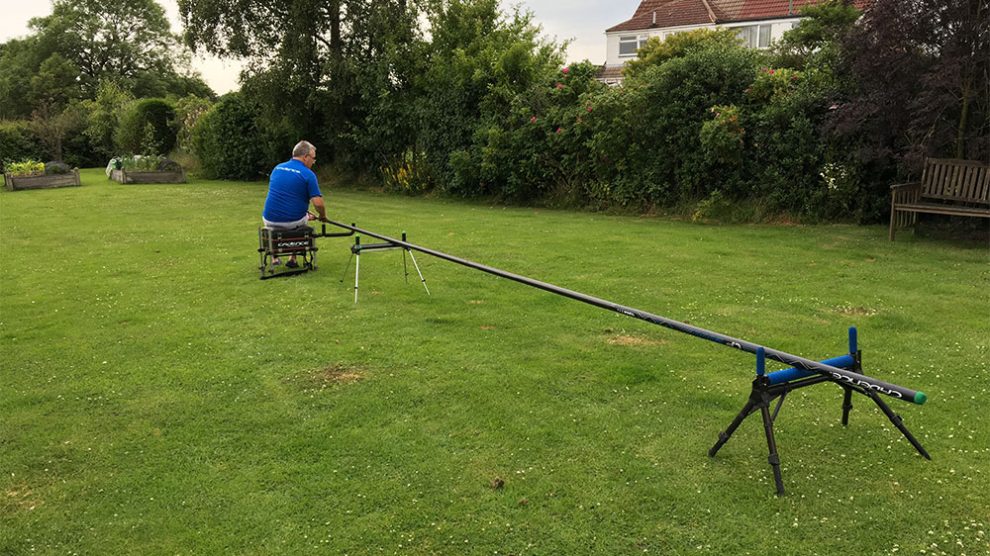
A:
(291, 187)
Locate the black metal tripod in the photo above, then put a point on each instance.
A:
(778, 384)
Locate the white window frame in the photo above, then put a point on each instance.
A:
(753, 35)
(638, 40)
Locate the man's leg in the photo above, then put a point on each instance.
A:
(287, 226)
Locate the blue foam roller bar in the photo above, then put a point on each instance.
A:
(787, 375)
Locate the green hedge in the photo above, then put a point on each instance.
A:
(148, 126)
(229, 142)
(18, 142)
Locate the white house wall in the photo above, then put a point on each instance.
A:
(612, 58)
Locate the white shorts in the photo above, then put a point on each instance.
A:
(287, 225)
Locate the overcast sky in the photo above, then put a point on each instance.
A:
(582, 21)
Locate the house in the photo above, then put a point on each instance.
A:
(757, 22)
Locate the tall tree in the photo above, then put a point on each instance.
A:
(478, 61)
(117, 38)
(128, 41)
(921, 69)
(20, 59)
(53, 92)
(817, 39)
(318, 67)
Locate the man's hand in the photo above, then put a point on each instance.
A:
(320, 207)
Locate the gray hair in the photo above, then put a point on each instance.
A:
(302, 148)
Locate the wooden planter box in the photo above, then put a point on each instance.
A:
(127, 176)
(42, 182)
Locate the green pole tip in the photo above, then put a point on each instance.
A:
(920, 398)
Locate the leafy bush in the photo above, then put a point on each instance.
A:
(147, 125)
(25, 168)
(480, 62)
(56, 167)
(189, 110)
(722, 137)
(784, 113)
(77, 148)
(407, 175)
(138, 163)
(648, 142)
(17, 142)
(228, 142)
(540, 150)
(655, 52)
(104, 118)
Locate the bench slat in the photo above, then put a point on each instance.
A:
(931, 181)
(966, 183)
(944, 185)
(981, 186)
(934, 208)
(975, 177)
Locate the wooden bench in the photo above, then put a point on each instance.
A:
(947, 186)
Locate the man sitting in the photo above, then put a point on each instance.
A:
(292, 187)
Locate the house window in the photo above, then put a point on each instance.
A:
(754, 36)
(745, 34)
(630, 44)
(764, 36)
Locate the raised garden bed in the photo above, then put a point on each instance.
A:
(13, 183)
(142, 176)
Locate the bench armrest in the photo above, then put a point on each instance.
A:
(905, 193)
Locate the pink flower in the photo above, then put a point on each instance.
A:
(532, 119)
(560, 85)
(566, 70)
(589, 108)
(770, 71)
(560, 130)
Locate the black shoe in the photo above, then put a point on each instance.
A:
(292, 264)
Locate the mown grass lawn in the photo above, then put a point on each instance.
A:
(157, 398)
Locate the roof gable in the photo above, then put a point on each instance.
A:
(669, 13)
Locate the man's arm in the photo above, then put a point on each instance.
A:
(320, 207)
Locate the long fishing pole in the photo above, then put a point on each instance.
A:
(835, 373)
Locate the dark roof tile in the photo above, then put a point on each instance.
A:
(675, 13)
(669, 13)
